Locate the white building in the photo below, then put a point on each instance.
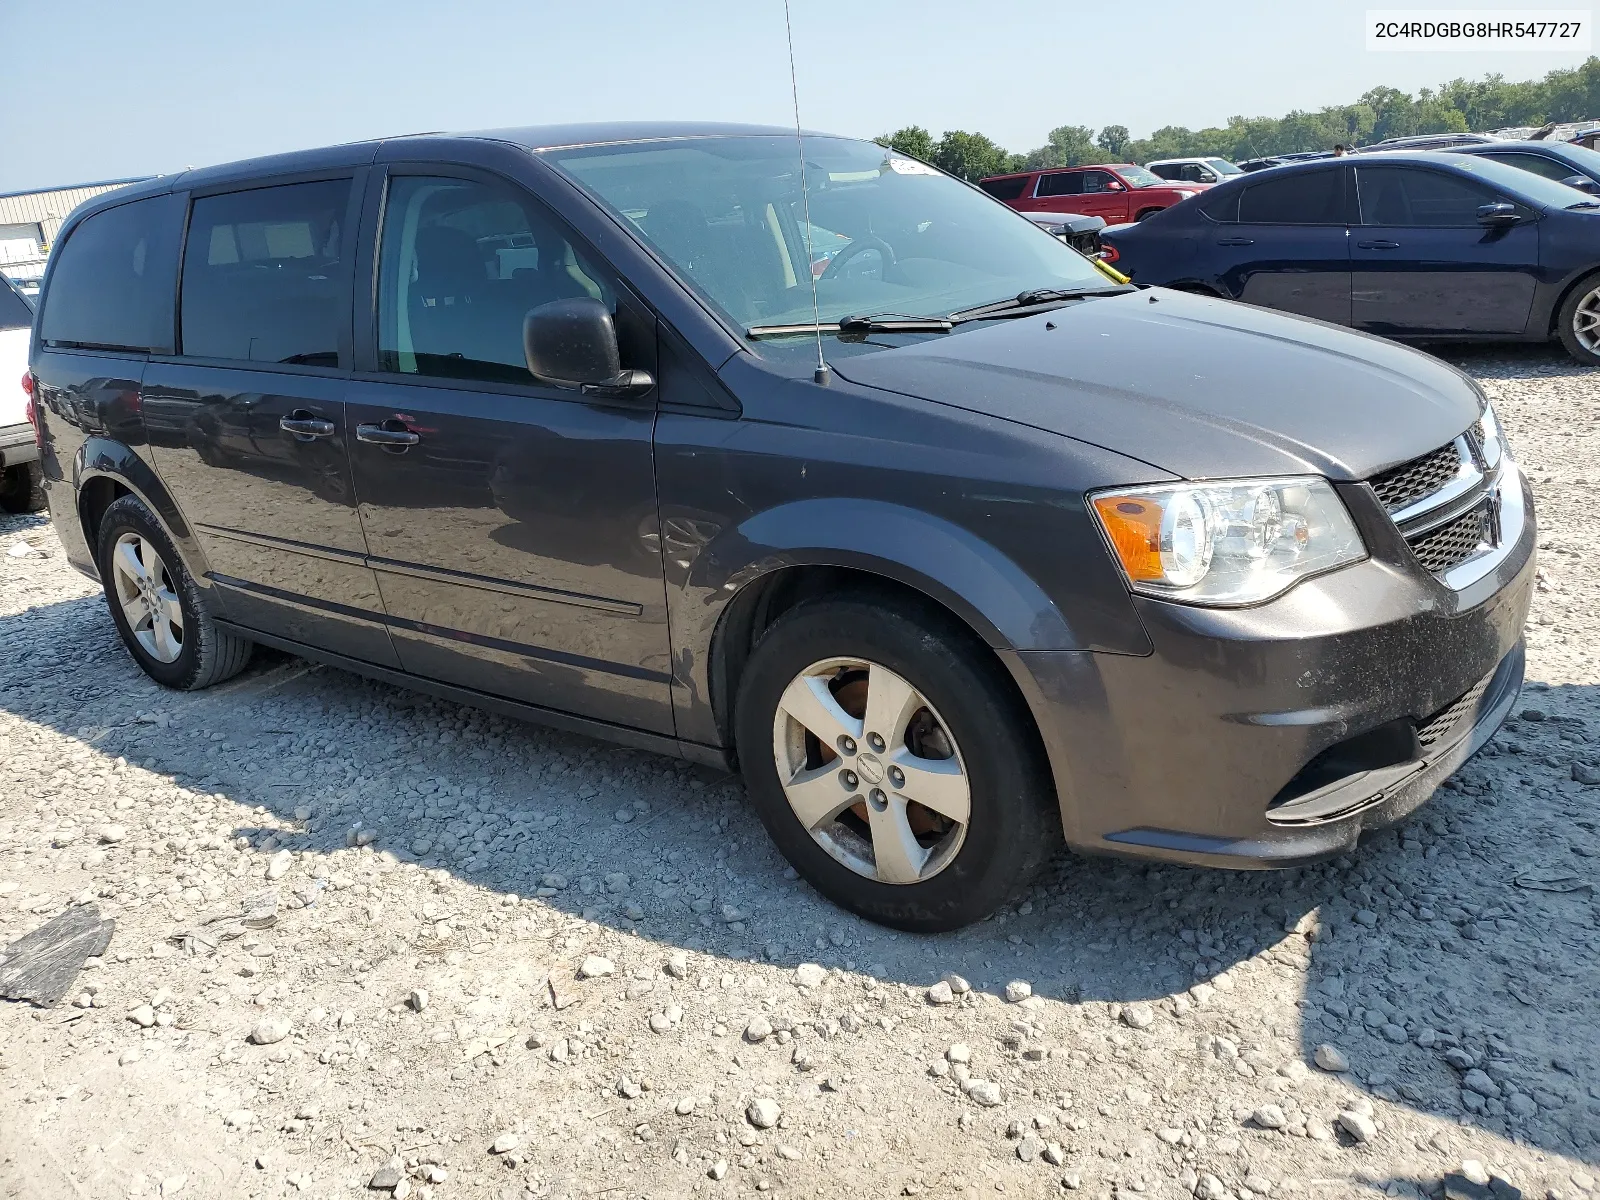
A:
(29, 222)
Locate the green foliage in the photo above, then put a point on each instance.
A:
(1384, 112)
(970, 156)
(913, 140)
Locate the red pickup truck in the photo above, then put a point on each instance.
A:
(1118, 192)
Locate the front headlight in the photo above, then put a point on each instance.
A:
(1232, 543)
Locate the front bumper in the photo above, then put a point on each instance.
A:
(1215, 749)
(17, 445)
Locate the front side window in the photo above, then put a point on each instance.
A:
(460, 265)
(1550, 168)
(1062, 183)
(1408, 196)
(264, 277)
(1097, 181)
(112, 284)
(1168, 170)
(1303, 198)
(891, 234)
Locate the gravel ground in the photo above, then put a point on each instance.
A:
(510, 962)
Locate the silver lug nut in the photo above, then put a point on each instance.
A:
(876, 742)
(849, 778)
(897, 777)
(847, 744)
(878, 800)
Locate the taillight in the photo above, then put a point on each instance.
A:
(32, 409)
(1108, 253)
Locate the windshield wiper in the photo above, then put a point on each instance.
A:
(1585, 204)
(1024, 303)
(858, 323)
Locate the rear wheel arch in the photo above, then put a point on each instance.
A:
(1148, 212)
(104, 471)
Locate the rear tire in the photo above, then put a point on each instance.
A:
(22, 488)
(1578, 322)
(157, 606)
(952, 731)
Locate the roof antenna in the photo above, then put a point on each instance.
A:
(822, 374)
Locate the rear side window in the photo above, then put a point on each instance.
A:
(112, 283)
(1168, 170)
(1303, 198)
(264, 276)
(1406, 196)
(14, 310)
(1064, 183)
(1005, 189)
(1222, 206)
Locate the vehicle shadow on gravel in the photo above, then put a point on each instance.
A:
(1453, 962)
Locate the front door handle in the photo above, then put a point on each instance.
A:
(1379, 245)
(1236, 241)
(387, 434)
(305, 425)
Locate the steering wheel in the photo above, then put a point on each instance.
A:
(856, 247)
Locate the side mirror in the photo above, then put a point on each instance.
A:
(572, 344)
(1583, 183)
(1498, 214)
(1113, 186)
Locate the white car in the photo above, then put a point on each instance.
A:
(21, 482)
(1194, 170)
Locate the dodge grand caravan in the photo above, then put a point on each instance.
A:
(535, 419)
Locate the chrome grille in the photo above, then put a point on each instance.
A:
(1420, 477)
(1455, 542)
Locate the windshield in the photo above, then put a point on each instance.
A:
(889, 234)
(1223, 167)
(1139, 177)
(1585, 160)
(1523, 184)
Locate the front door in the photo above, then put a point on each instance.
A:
(1287, 246)
(1423, 264)
(512, 525)
(1093, 193)
(247, 421)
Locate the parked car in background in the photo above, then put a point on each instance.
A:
(1116, 192)
(20, 480)
(1408, 245)
(1428, 141)
(936, 600)
(1076, 230)
(1575, 166)
(1192, 170)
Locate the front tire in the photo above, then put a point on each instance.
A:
(157, 607)
(892, 765)
(1578, 322)
(22, 488)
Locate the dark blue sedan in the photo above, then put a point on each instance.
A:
(1407, 245)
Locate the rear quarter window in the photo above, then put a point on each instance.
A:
(14, 310)
(1005, 189)
(112, 286)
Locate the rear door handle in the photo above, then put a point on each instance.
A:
(1380, 245)
(305, 425)
(382, 435)
(1236, 241)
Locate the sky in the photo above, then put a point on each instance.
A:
(108, 89)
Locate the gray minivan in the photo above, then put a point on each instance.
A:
(831, 469)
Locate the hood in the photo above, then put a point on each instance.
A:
(1198, 387)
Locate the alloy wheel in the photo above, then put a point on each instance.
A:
(148, 598)
(871, 771)
(1586, 322)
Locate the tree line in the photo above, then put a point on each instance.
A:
(1459, 106)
